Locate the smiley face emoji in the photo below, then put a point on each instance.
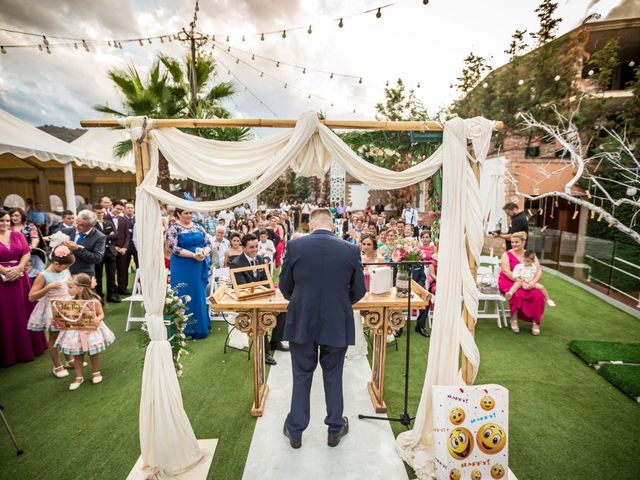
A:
(454, 474)
(491, 438)
(476, 475)
(497, 471)
(487, 402)
(460, 443)
(456, 416)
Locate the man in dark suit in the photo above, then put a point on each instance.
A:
(108, 263)
(322, 278)
(130, 215)
(87, 243)
(122, 245)
(251, 257)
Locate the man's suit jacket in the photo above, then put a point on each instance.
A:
(322, 278)
(109, 231)
(90, 253)
(131, 222)
(124, 235)
(248, 276)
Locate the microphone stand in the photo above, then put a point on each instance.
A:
(404, 418)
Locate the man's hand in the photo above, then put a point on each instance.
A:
(72, 245)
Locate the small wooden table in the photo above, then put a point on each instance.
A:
(383, 315)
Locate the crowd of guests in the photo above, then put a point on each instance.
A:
(98, 239)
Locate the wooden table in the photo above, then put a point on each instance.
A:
(383, 314)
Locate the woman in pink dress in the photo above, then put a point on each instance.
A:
(17, 344)
(527, 303)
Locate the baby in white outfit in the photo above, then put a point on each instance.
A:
(524, 273)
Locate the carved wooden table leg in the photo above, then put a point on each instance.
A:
(381, 323)
(256, 324)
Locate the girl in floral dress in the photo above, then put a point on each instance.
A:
(51, 285)
(79, 342)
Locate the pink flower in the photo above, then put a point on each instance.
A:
(61, 251)
(396, 256)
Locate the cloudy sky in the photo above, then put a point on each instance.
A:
(421, 44)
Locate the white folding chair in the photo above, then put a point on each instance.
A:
(134, 298)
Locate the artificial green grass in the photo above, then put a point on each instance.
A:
(624, 377)
(565, 422)
(593, 351)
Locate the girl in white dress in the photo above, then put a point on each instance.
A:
(79, 342)
(51, 285)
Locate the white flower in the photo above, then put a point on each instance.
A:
(187, 298)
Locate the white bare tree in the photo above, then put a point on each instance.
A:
(597, 197)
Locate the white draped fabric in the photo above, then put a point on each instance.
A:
(492, 193)
(166, 437)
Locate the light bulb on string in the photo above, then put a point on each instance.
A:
(48, 49)
(309, 31)
(418, 86)
(169, 38)
(243, 39)
(227, 38)
(425, 2)
(161, 40)
(228, 72)
(632, 64)
(75, 45)
(360, 81)
(262, 37)
(386, 84)
(84, 44)
(520, 82)
(331, 76)
(378, 13)
(140, 41)
(40, 47)
(3, 50)
(556, 78)
(149, 40)
(175, 36)
(253, 57)
(261, 74)
(590, 72)
(237, 61)
(485, 85)
(304, 70)
(354, 110)
(284, 34)
(197, 6)
(341, 23)
(277, 64)
(309, 97)
(228, 49)
(109, 43)
(213, 38)
(285, 85)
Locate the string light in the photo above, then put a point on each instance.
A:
(386, 84)
(227, 38)
(418, 86)
(3, 50)
(331, 76)
(341, 23)
(425, 2)
(360, 81)
(243, 39)
(161, 40)
(40, 47)
(48, 49)
(556, 78)
(304, 70)
(520, 82)
(44, 40)
(485, 85)
(378, 13)
(237, 61)
(141, 44)
(149, 40)
(590, 72)
(262, 37)
(632, 64)
(253, 57)
(277, 64)
(284, 34)
(309, 31)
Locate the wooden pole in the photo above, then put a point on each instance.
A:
(278, 123)
(137, 155)
(467, 368)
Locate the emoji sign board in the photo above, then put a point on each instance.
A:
(471, 426)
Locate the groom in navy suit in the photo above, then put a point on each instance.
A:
(322, 278)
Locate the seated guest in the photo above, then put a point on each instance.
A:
(369, 249)
(234, 250)
(407, 233)
(426, 245)
(419, 228)
(233, 226)
(390, 246)
(266, 248)
(527, 303)
(19, 223)
(249, 256)
(382, 237)
(219, 246)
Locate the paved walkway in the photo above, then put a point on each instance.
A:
(367, 452)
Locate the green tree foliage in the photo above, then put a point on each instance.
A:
(400, 106)
(548, 23)
(166, 93)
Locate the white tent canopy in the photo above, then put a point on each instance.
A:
(99, 143)
(167, 440)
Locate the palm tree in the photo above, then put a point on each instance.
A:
(166, 93)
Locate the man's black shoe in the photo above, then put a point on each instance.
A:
(397, 333)
(292, 441)
(124, 292)
(269, 360)
(334, 438)
(423, 332)
(114, 299)
(279, 346)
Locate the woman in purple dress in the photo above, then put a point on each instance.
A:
(17, 344)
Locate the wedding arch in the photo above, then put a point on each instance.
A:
(167, 440)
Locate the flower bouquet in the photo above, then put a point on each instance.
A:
(175, 319)
(405, 252)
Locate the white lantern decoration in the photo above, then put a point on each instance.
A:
(631, 191)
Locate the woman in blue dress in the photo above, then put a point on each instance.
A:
(188, 243)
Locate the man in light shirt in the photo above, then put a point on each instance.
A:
(219, 246)
(409, 214)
